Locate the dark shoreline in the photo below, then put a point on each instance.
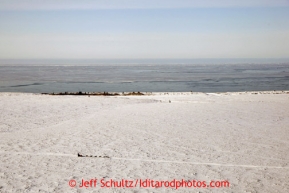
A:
(150, 93)
(97, 93)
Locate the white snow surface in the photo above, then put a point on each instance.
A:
(239, 137)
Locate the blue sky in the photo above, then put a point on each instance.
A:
(140, 29)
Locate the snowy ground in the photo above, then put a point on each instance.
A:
(242, 138)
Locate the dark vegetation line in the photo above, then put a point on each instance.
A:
(96, 93)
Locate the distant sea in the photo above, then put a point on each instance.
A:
(155, 75)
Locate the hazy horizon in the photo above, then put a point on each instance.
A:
(147, 61)
(144, 29)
